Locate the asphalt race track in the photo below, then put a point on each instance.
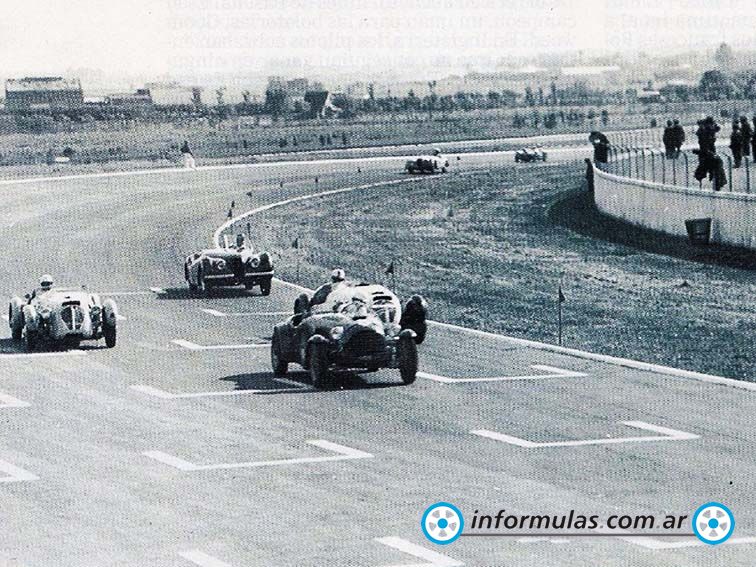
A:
(179, 448)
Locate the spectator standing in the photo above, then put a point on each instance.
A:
(678, 136)
(707, 134)
(187, 156)
(753, 139)
(668, 140)
(736, 144)
(747, 134)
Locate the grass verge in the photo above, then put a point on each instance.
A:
(489, 251)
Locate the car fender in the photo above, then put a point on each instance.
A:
(31, 319)
(407, 333)
(110, 312)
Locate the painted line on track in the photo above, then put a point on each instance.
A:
(15, 474)
(656, 544)
(343, 453)
(7, 401)
(666, 434)
(202, 559)
(217, 313)
(165, 395)
(553, 372)
(16, 355)
(194, 346)
(433, 558)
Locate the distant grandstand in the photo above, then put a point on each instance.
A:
(43, 93)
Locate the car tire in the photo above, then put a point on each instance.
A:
(17, 330)
(201, 286)
(265, 286)
(280, 366)
(319, 373)
(110, 334)
(31, 340)
(408, 362)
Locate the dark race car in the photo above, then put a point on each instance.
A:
(527, 155)
(229, 266)
(356, 328)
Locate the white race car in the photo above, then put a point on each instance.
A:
(433, 163)
(62, 315)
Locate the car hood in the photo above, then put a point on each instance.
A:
(327, 321)
(56, 298)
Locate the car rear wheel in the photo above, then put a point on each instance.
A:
(109, 332)
(321, 377)
(201, 286)
(407, 355)
(265, 286)
(30, 340)
(280, 366)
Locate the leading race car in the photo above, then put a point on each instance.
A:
(527, 155)
(357, 328)
(427, 164)
(62, 316)
(231, 265)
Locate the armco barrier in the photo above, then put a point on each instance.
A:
(666, 208)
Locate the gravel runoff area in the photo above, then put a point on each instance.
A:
(489, 251)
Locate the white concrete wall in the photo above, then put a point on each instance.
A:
(666, 208)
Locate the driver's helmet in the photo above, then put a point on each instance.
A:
(436, 151)
(241, 241)
(338, 275)
(46, 282)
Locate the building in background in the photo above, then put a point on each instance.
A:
(173, 94)
(43, 93)
(140, 98)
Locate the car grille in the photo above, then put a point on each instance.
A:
(364, 343)
(73, 317)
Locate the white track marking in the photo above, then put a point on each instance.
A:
(656, 544)
(216, 313)
(5, 317)
(343, 453)
(15, 474)
(553, 372)
(14, 355)
(203, 559)
(194, 346)
(157, 290)
(7, 401)
(163, 394)
(120, 317)
(433, 558)
(666, 434)
(126, 293)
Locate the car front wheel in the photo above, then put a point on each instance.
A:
(280, 366)
(319, 366)
(407, 355)
(109, 332)
(30, 340)
(265, 286)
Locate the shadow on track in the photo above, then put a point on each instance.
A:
(577, 211)
(266, 381)
(183, 293)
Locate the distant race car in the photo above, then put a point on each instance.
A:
(231, 265)
(427, 164)
(527, 155)
(357, 328)
(62, 316)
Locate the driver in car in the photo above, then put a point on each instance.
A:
(338, 280)
(45, 285)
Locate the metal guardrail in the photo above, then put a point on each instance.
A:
(651, 164)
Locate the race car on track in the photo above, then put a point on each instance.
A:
(62, 316)
(527, 155)
(355, 328)
(427, 164)
(231, 265)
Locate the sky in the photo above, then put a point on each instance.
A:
(204, 37)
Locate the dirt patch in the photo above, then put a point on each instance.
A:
(489, 252)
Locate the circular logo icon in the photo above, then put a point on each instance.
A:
(713, 523)
(442, 523)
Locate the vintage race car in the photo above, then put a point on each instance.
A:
(229, 266)
(62, 316)
(358, 328)
(526, 155)
(427, 164)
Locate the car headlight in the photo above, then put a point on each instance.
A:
(254, 261)
(45, 313)
(219, 264)
(95, 311)
(337, 333)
